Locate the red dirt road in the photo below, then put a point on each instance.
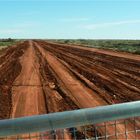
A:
(27, 92)
(38, 77)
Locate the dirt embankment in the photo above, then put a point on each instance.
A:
(107, 79)
(115, 77)
(9, 70)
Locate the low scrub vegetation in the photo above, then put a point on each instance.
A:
(132, 46)
(7, 42)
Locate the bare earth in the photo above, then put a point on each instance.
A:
(38, 77)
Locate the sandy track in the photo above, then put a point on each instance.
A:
(27, 88)
(27, 92)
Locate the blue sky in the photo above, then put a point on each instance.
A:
(89, 19)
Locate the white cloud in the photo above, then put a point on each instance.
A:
(109, 24)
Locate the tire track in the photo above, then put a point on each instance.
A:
(66, 62)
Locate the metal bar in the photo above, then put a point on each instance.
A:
(69, 119)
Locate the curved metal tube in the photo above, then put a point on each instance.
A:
(69, 119)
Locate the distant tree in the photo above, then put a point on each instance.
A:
(9, 40)
(66, 41)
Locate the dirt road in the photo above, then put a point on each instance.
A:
(38, 77)
(27, 92)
